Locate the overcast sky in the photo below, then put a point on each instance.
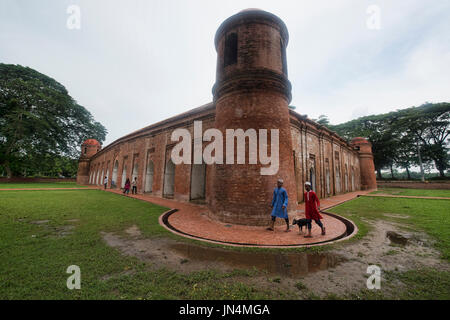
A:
(136, 62)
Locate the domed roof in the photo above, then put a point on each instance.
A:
(251, 9)
(251, 14)
(91, 142)
(359, 140)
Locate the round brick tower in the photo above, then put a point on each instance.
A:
(89, 148)
(252, 91)
(367, 167)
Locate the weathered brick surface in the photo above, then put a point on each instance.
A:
(252, 93)
(368, 178)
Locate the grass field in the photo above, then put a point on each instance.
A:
(35, 253)
(34, 259)
(40, 185)
(413, 192)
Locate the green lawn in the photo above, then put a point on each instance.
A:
(33, 261)
(413, 192)
(40, 185)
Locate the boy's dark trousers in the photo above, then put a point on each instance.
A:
(134, 190)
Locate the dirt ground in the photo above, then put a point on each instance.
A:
(340, 271)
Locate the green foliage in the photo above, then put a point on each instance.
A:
(398, 137)
(41, 126)
(323, 120)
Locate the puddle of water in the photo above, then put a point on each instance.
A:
(287, 264)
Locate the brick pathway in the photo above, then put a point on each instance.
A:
(409, 197)
(193, 222)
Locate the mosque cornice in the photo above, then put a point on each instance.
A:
(251, 80)
(302, 122)
(204, 112)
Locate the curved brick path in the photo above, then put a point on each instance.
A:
(192, 219)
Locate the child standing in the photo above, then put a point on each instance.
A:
(126, 189)
(312, 207)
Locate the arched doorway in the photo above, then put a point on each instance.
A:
(90, 178)
(312, 179)
(346, 179)
(124, 176)
(114, 175)
(353, 179)
(98, 177)
(327, 176)
(149, 177)
(134, 173)
(338, 180)
(198, 181)
(169, 179)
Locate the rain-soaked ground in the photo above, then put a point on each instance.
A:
(185, 256)
(287, 264)
(340, 271)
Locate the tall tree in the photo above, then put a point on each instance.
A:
(377, 130)
(402, 138)
(39, 120)
(323, 120)
(429, 126)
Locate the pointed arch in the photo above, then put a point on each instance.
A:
(169, 179)
(149, 177)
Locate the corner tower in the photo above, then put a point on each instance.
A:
(252, 91)
(367, 167)
(89, 148)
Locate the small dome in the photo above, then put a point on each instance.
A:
(91, 142)
(251, 9)
(359, 140)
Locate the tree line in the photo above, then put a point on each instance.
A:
(412, 137)
(41, 125)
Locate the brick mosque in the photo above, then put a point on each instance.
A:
(252, 91)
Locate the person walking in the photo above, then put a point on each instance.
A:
(134, 186)
(312, 208)
(105, 182)
(279, 205)
(126, 189)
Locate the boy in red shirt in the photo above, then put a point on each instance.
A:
(312, 207)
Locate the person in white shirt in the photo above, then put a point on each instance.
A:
(105, 182)
(134, 186)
